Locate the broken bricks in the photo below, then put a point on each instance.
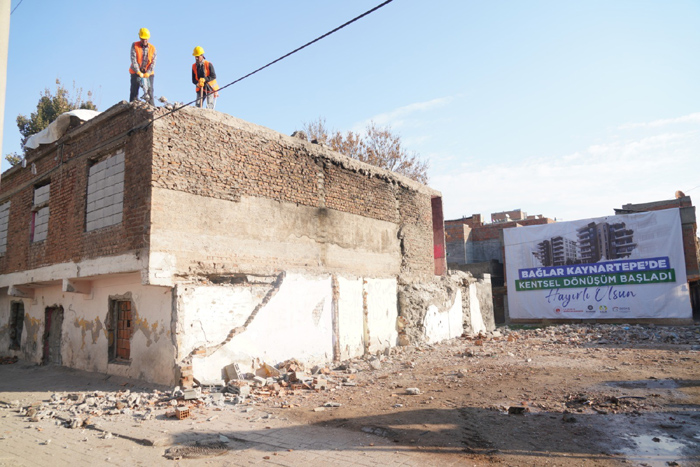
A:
(182, 412)
(267, 371)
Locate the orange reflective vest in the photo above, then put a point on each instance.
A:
(139, 57)
(211, 83)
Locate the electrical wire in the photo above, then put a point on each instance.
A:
(13, 10)
(146, 125)
(282, 57)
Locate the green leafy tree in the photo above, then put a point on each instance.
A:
(378, 146)
(49, 107)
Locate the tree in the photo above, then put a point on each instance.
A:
(49, 107)
(378, 146)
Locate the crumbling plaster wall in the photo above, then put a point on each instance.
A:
(196, 235)
(277, 318)
(444, 308)
(84, 342)
(234, 199)
(283, 204)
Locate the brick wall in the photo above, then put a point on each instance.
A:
(691, 245)
(483, 241)
(215, 155)
(66, 166)
(417, 229)
(202, 153)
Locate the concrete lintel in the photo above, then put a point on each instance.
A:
(20, 292)
(102, 266)
(73, 286)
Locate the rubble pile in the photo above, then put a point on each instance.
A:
(420, 372)
(275, 385)
(601, 334)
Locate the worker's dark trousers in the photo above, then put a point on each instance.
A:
(134, 94)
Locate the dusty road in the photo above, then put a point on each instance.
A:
(593, 395)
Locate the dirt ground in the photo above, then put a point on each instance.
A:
(569, 395)
(583, 395)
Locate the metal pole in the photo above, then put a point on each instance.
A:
(4, 46)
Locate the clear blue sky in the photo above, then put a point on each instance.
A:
(561, 108)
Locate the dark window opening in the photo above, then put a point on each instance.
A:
(119, 328)
(53, 329)
(16, 325)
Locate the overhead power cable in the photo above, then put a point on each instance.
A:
(141, 127)
(282, 57)
(13, 10)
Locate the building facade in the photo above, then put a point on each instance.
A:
(165, 246)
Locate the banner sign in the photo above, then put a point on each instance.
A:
(616, 267)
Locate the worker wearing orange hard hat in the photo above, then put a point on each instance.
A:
(204, 78)
(143, 65)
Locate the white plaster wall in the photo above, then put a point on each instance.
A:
(211, 312)
(477, 320)
(84, 338)
(350, 318)
(295, 323)
(439, 326)
(382, 312)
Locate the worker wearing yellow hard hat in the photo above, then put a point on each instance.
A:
(143, 65)
(204, 78)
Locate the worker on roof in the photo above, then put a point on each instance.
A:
(204, 78)
(143, 65)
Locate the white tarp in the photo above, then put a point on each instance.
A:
(616, 267)
(58, 127)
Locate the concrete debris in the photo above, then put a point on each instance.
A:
(212, 383)
(320, 384)
(233, 372)
(412, 391)
(375, 364)
(190, 394)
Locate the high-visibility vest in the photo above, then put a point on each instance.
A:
(211, 83)
(139, 57)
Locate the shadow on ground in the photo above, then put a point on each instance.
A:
(477, 432)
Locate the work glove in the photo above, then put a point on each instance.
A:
(147, 75)
(202, 81)
(140, 74)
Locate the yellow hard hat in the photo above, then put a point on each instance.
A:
(144, 33)
(198, 51)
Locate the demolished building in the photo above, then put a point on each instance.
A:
(477, 248)
(166, 246)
